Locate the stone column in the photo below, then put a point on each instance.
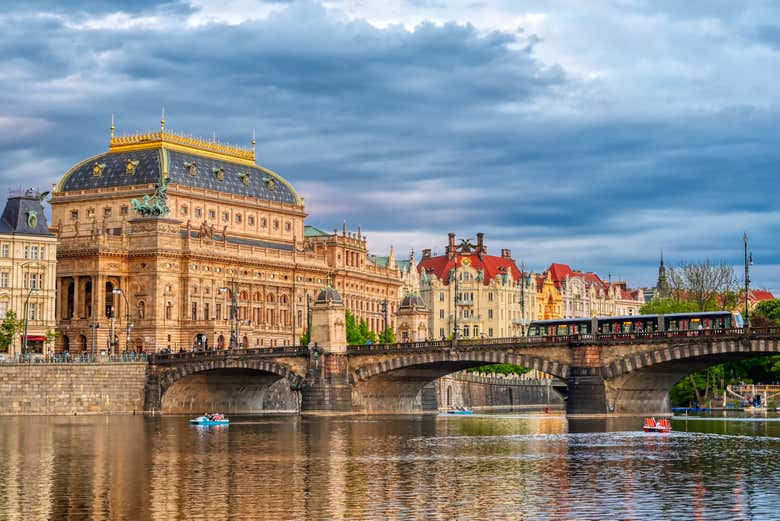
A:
(327, 387)
(76, 297)
(586, 390)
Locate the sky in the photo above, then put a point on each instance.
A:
(594, 133)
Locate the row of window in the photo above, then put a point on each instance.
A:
(34, 310)
(107, 212)
(30, 251)
(238, 218)
(31, 280)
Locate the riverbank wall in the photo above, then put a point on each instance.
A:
(495, 392)
(99, 388)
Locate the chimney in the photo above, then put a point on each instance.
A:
(506, 254)
(426, 253)
(481, 243)
(451, 245)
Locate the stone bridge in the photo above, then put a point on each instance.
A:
(630, 373)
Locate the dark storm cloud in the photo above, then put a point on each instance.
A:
(409, 133)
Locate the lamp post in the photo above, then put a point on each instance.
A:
(384, 311)
(233, 312)
(128, 325)
(748, 263)
(33, 289)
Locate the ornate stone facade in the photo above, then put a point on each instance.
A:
(575, 294)
(234, 237)
(28, 269)
(477, 294)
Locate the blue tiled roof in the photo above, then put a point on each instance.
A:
(16, 217)
(114, 173)
(208, 173)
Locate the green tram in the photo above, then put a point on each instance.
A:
(673, 322)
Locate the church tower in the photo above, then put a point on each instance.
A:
(662, 289)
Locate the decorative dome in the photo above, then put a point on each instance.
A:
(144, 159)
(411, 301)
(327, 295)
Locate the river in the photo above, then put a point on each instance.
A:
(523, 466)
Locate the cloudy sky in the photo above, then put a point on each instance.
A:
(593, 133)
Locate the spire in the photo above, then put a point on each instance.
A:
(112, 126)
(662, 289)
(391, 258)
(162, 121)
(254, 140)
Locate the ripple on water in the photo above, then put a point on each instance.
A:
(381, 468)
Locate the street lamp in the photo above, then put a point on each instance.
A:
(454, 274)
(33, 289)
(233, 312)
(748, 263)
(128, 325)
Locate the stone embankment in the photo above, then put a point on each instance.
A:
(89, 388)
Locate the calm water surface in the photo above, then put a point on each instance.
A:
(414, 467)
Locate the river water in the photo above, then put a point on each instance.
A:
(525, 466)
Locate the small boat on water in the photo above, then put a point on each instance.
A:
(461, 411)
(210, 419)
(653, 425)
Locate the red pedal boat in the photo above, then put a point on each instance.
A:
(653, 425)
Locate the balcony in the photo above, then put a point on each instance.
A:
(465, 302)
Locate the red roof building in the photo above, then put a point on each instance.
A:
(475, 293)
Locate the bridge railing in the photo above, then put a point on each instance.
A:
(540, 341)
(220, 353)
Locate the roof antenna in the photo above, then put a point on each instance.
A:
(162, 121)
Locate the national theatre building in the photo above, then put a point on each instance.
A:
(167, 241)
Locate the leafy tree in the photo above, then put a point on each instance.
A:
(305, 338)
(387, 336)
(358, 332)
(353, 333)
(710, 286)
(500, 369)
(365, 333)
(769, 309)
(665, 306)
(9, 328)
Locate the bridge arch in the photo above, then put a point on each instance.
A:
(227, 384)
(474, 358)
(395, 383)
(640, 382)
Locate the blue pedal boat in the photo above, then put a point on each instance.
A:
(205, 420)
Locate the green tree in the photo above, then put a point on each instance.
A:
(500, 369)
(353, 333)
(10, 327)
(769, 309)
(665, 306)
(387, 336)
(305, 338)
(366, 334)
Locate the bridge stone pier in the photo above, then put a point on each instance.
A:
(605, 374)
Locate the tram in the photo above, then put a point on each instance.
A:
(673, 323)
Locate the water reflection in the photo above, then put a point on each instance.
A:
(490, 467)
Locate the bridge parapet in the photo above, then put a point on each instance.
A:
(259, 352)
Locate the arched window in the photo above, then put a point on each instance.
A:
(141, 309)
(169, 310)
